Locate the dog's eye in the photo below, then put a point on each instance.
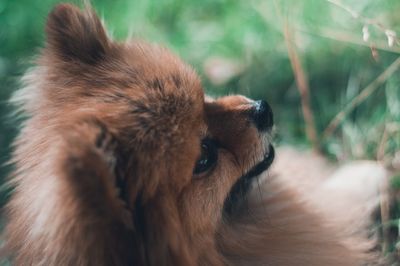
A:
(208, 157)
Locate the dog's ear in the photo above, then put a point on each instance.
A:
(73, 34)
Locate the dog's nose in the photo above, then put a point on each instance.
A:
(261, 115)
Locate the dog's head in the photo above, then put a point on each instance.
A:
(181, 161)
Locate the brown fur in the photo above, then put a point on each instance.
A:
(103, 113)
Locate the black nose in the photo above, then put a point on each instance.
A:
(261, 115)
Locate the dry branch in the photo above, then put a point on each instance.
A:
(367, 91)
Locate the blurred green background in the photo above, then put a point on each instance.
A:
(241, 47)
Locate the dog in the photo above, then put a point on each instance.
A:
(122, 160)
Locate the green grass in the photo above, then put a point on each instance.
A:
(250, 33)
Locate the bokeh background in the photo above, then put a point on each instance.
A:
(335, 61)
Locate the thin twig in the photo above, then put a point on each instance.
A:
(348, 38)
(365, 93)
(346, 8)
(390, 34)
(303, 87)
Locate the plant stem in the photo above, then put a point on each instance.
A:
(303, 87)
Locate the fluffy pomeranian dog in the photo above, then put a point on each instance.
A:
(122, 160)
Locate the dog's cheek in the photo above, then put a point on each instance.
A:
(202, 201)
(198, 209)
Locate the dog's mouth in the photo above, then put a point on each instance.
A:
(239, 190)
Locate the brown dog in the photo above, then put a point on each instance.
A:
(123, 161)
